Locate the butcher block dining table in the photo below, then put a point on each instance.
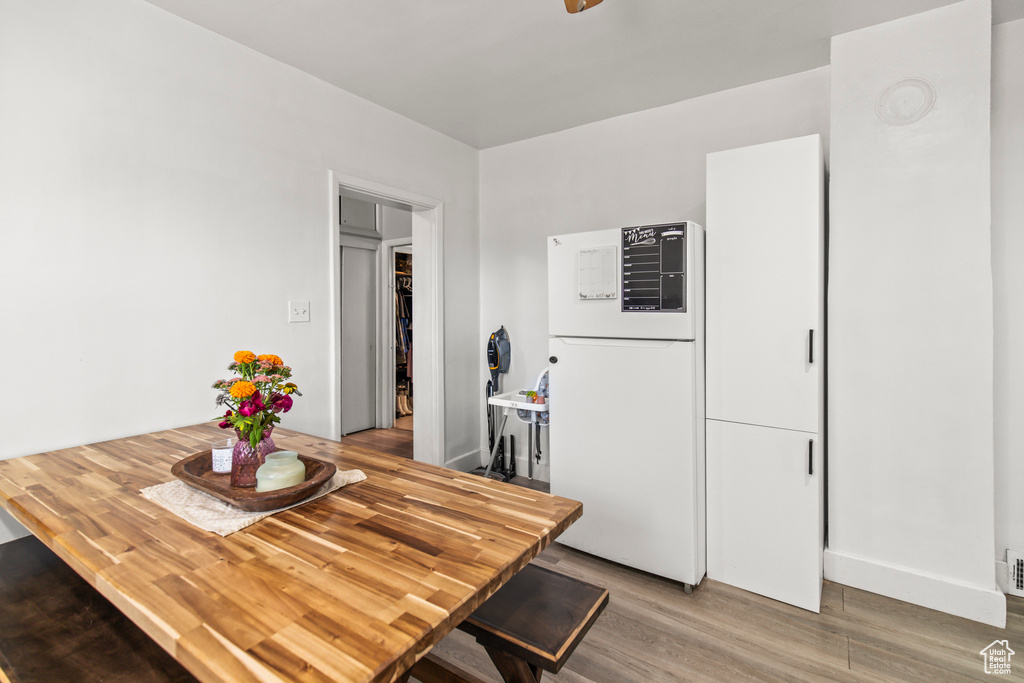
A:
(357, 585)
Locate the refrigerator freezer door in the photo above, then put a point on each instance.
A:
(623, 442)
(585, 289)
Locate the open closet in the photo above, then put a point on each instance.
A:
(403, 341)
(376, 245)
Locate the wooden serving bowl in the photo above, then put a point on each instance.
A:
(197, 471)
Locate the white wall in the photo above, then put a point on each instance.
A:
(1008, 280)
(163, 193)
(640, 168)
(911, 499)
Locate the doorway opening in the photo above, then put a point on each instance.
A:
(424, 217)
(403, 306)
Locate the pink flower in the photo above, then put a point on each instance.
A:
(251, 406)
(225, 424)
(281, 403)
(261, 378)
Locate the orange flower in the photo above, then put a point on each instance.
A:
(276, 360)
(244, 357)
(243, 389)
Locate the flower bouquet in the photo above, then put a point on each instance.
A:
(254, 399)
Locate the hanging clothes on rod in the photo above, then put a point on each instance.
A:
(403, 312)
(403, 340)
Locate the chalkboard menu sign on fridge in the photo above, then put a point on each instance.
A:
(654, 268)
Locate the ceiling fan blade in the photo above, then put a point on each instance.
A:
(574, 6)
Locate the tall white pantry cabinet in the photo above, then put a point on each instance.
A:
(765, 249)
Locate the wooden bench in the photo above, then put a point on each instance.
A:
(56, 627)
(535, 621)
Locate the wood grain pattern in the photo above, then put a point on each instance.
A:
(398, 442)
(514, 669)
(432, 669)
(56, 627)
(651, 631)
(354, 586)
(391, 441)
(540, 616)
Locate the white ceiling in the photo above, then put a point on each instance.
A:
(489, 72)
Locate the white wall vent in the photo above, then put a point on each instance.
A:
(1015, 571)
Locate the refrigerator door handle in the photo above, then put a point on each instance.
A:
(810, 348)
(810, 457)
(622, 342)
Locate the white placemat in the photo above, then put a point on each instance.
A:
(212, 514)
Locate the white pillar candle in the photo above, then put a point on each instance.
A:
(220, 453)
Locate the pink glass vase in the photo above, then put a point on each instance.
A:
(245, 460)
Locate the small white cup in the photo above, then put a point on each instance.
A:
(221, 455)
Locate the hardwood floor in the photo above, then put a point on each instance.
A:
(652, 632)
(391, 441)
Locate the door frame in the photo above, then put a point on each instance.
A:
(428, 308)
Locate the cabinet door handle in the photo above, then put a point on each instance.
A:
(810, 347)
(810, 456)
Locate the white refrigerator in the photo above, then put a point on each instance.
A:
(626, 341)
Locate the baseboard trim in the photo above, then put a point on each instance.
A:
(1003, 576)
(465, 462)
(986, 605)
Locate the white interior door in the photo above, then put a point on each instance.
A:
(358, 339)
(764, 515)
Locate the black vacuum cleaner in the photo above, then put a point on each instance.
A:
(499, 353)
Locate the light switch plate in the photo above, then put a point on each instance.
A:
(298, 311)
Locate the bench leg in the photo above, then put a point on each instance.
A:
(513, 669)
(433, 669)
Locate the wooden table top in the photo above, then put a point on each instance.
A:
(354, 586)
